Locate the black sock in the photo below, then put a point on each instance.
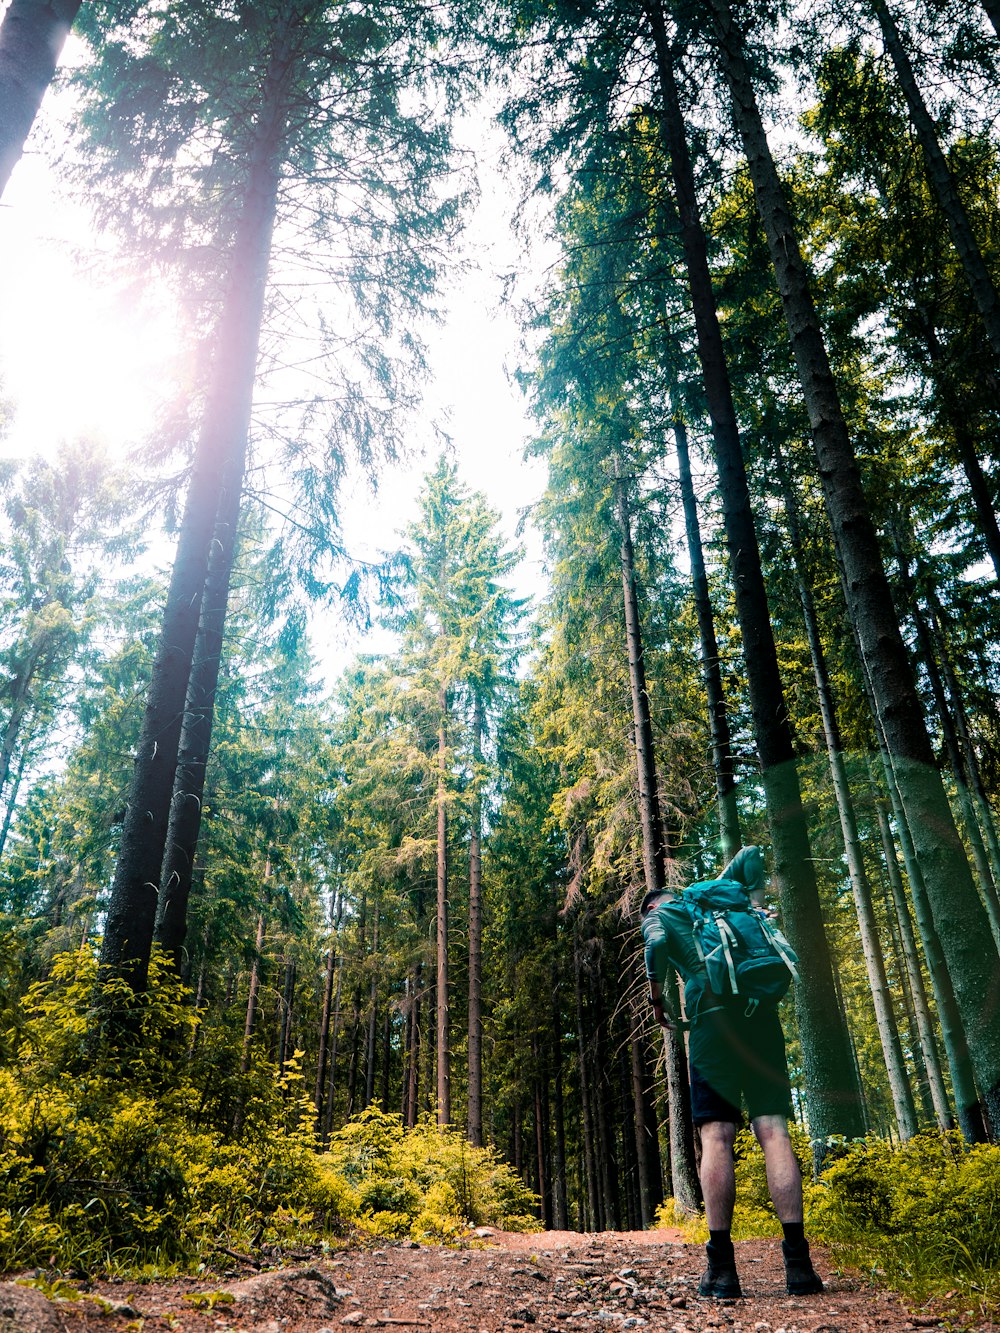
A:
(795, 1236)
(720, 1245)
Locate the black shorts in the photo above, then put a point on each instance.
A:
(737, 1058)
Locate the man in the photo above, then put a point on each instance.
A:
(736, 1052)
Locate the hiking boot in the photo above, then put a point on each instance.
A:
(720, 1280)
(801, 1279)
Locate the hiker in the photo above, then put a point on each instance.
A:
(736, 966)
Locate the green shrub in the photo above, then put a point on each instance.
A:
(429, 1177)
(923, 1216)
(123, 1157)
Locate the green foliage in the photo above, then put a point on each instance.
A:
(428, 1182)
(922, 1215)
(105, 1160)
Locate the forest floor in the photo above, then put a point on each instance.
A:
(549, 1282)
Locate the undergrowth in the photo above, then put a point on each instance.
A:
(922, 1216)
(150, 1157)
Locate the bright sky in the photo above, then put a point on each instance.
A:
(85, 355)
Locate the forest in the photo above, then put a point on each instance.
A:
(284, 953)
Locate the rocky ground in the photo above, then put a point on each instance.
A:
(552, 1282)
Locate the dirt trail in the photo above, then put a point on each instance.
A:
(550, 1282)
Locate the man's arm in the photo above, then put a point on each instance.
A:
(747, 868)
(656, 965)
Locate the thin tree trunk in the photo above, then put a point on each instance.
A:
(718, 717)
(560, 1207)
(922, 1017)
(963, 1081)
(253, 993)
(187, 801)
(128, 934)
(332, 1078)
(682, 1164)
(586, 1096)
(324, 1028)
(956, 759)
(443, 1057)
(285, 1014)
(871, 948)
(647, 1150)
(413, 1079)
(968, 749)
(958, 914)
(32, 36)
(978, 276)
(12, 798)
(475, 1119)
(370, 1044)
(834, 1096)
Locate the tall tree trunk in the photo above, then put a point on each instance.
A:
(475, 1119)
(370, 1044)
(718, 717)
(8, 815)
(285, 1011)
(871, 947)
(443, 1055)
(586, 1091)
(413, 1075)
(682, 1162)
(560, 1207)
(972, 768)
(958, 914)
(831, 1085)
(953, 749)
(331, 1087)
(647, 1148)
(978, 276)
(324, 1028)
(187, 801)
(253, 991)
(963, 1082)
(927, 1041)
(31, 40)
(218, 461)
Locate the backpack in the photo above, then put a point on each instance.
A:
(713, 936)
(741, 952)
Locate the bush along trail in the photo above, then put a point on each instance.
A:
(551, 1281)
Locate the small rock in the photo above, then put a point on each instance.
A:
(680, 1303)
(484, 1233)
(355, 1317)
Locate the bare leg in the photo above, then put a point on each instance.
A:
(784, 1179)
(718, 1178)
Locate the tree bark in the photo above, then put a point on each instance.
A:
(324, 1028)
(586, 1092)
(959, 916)
(187, 802)
(831, 1084)
(475, 1117)
(871, 947)
(921, 1009)
(32, 36)
(443, 1058)
(684, 1175)
(718, 717)
(978, 276)
(560, 1207)
(218, 461)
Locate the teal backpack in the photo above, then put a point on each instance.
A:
(741, 952)
(712, 935)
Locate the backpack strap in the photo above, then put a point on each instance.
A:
(780, 945)
(728, 938)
